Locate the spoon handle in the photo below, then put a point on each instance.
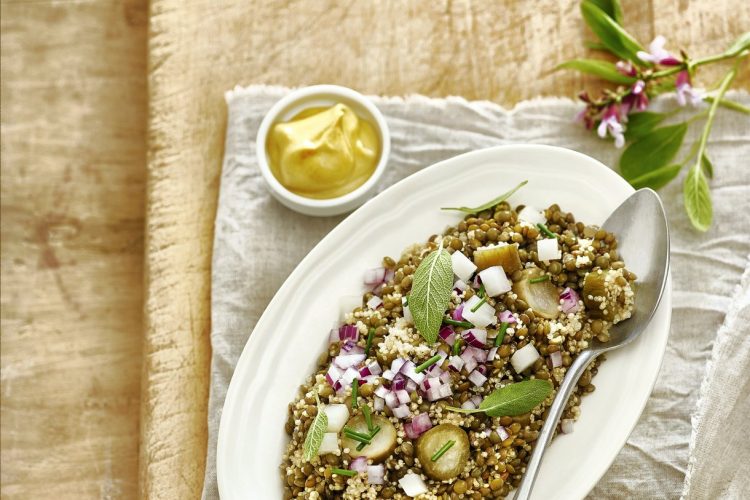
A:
(555, 412)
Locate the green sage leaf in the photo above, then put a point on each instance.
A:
(742, 43)
(315, 434)
(512, 399)
(656, 178)
(489, 204)
(708, 167)
(697, 197)
(652, 151)
(611, 34)
(430, 293)
(602, 69)
(610, 7)
(640, 124)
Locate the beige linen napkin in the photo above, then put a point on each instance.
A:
(258, 242)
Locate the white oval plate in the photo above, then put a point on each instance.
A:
(293, 330)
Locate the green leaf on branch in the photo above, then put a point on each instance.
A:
(640, 124)
(602, 69)
(611, 34)
(652, 151)
(697, 197)
(742, 43)
(726, 103)
(610, 7)
(708, 167)
(656, 178)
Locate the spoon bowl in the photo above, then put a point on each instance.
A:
(643, 242)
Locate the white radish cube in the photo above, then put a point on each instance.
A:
(495, 281)
(483, 316)
(532, 216)
(337, 415)
(407, 312)
(330, 443)
(524, 358)
(462, 266)
(413, 484)
(548, 249)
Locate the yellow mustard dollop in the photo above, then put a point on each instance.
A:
(323, 152)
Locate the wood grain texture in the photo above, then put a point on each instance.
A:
(73, 151)
(73, 172)
(498, 50)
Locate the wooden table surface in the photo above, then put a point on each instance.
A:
(75, 187)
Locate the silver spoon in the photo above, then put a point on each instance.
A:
(643, 242)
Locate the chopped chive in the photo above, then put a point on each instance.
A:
(481, 292)
(362, 444)
(457, 346)
(351, 432)
(545, 230)
(453, 322)
(428, 363)
(370, 336)
(368, 416)
(343, 472)
(478, 304)
(442, 450)
(361, 440)
(501, 333)
(355, 392)
(544, 277)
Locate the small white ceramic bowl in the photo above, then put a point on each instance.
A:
(322, 96)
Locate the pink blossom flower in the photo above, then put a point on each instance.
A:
(611, 123)
(637, 99)
(685, 91)
(657, 54)
(626, 68)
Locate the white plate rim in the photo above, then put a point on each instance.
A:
(244, 370)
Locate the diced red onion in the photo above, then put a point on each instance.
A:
(376, 474)
(460, 286)
(391, 400)
(411, 386)
(389, 375)
(359, 464)
(433, 394)
(556, 358)
(348, 332)
(410, 370)
(469, 362)
(350, 347)
(476, 399)
(350, 375)
(477, 283)
(445, 391)
(443, 356)
(468, 405)
(569, 298)
(375, 302)
(348, 360)
(399, 382)
(491, 354)
(334, 374)
(447, 334)
(477, 378)
(445, 377)
(381, 391)
(430, 383)
(481, 369)
(476, 337)
(418, 426)
(374, 276)
(401, 411)
(503, 433)
(379, 404)
(371, 368)
(457, 313)
(456, 363)
(403, 397)
(397, 364)
(506, 317)
(337, 386)
(480, 355)
(369, 379)
(566, 425)
(389, 274)
(334, 336)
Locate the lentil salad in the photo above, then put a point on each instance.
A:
(532, 289)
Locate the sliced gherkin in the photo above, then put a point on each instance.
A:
(542, 297)
(452, 462)
(383, 443)
(499, 255)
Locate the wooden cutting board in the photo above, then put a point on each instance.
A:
(74, 151)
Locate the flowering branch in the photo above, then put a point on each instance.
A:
(621, 114)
